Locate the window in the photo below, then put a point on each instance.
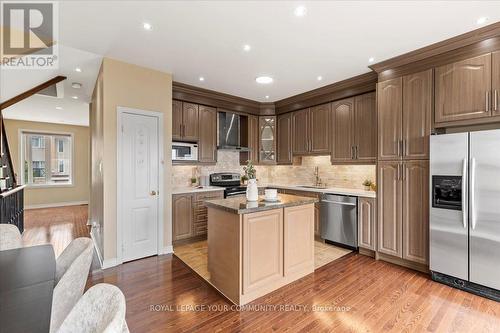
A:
(47, 159)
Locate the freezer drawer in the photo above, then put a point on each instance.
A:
(339, 219)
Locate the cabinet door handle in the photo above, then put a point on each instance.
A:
(496, 100)
(403, 144)
(398, 177)
(352, 152)
(356, 152)
(487, 101)
(403, 172)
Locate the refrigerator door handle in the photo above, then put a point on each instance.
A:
(464, 193)
(472, 192)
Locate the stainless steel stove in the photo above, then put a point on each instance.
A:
(230, 182)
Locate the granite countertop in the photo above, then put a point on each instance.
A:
(239, 204)
(332, 190)
(184, 190)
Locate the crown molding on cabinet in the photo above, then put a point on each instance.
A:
(470, 44)
(356, 85)
(188, 93)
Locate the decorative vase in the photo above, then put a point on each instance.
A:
(252, 190)
(368, 187)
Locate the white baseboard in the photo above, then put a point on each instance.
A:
(166, 250)
(57, 204)
(99, 255)
(112, 262)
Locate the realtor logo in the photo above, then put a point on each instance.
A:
(29, 35)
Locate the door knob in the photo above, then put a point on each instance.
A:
(153, 193)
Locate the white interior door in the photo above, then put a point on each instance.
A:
(139, 185)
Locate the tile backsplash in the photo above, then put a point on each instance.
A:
(350, 176)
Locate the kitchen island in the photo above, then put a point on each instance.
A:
(257, 247)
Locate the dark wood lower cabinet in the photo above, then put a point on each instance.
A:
(182, 216)
(189, 214)
(390, 189)
(403, 210)
(416, 211)
(367, 223)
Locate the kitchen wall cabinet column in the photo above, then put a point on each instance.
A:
(300, 125)
(416, 211)
(417, 107)
(463, 89)
(365, 128)
(207, 145)
(319, 121)
(390, 189)
(342, 130)
(495, 83)
(284, 144)
(390, 104)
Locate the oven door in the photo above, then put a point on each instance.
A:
(184, 151)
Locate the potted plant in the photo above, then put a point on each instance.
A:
(252, 189)
(193, 181)
(244, 179)
(367, 184)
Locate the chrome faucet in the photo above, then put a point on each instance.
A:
(317, 181)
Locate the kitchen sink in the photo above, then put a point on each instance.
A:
(312, 186)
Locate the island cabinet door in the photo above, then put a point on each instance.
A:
(299, 240)
(262, 252)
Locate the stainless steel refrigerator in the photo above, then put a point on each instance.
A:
(465, 211)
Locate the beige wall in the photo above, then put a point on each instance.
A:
(140, 88)
(54, 195)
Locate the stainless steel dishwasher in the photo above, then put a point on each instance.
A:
(339, 220)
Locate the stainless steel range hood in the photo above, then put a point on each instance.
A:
(228, 132)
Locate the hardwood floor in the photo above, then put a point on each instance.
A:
(57, 226)
(368, 296)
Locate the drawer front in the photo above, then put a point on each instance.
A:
(200, 228)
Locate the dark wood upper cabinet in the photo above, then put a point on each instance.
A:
(207, 145)
(319, 120)
(300, 125)
(190, 121)
(417, 107)
(365, 127)
(390, 104)
(267, 140)
(416, 211)
(495, 80)
(463, 89)
(253, 138)
(390, 208)
(176, 120)
(342, 130)
(284, 144)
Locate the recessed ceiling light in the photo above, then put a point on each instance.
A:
(300, 11)
(481, 20)
(264, 79)
(74, 97)
(78, 69)
(76, 85)
(267, 96)
(319, 78)
(371, 59)
(201, 78)
(59, 108)
(147, 26)
(246, 47)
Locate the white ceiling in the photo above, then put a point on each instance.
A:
(205, 38)
(43, 108)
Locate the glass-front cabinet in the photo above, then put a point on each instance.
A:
(267, 140)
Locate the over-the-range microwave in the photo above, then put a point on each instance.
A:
(184, 151)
